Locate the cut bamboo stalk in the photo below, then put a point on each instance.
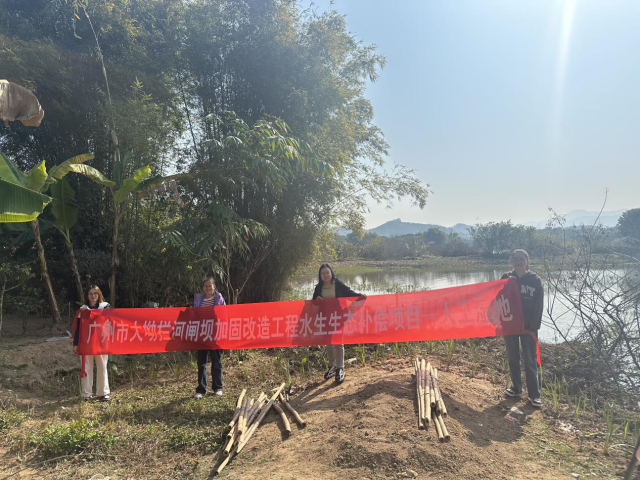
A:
(445, 432)
(245, 421)
(256, 406)
(419, 394)
(295, 414)
(256, 424)
(432, 392)
(423, 380)
(442, 406)
(236, 414)
(243, 413)
(231, 439)
(283, 416)
(256, 412)
(239, 446)
(438, 428)
(225, 461)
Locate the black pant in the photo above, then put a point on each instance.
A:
(216, 370)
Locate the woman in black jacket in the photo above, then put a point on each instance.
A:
(330, 287)
(532, 295)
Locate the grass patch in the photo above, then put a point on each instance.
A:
(74, 437)
(11, 417)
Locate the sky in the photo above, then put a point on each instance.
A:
(504, 108)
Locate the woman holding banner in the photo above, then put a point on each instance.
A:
(330, 287)
(209, 297)
(532, 295)
(93, 300)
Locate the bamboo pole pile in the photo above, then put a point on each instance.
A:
(431, 407)
(247, 417)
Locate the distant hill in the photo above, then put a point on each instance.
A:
(397, 227)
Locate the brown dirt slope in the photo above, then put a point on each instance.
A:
(367, 428)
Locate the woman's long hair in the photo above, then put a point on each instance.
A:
(86, 295)
(326, 265)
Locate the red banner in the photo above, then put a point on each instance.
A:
(481, 310)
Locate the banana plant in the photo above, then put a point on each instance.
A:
(122, 190)
(22, 200)
(65, 209)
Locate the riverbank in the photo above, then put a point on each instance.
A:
(366, 427)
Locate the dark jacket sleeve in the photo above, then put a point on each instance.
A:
(343, 291)
(316, 292)
(76, 336)
(538, 307)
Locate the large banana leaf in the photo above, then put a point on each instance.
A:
(93, 173)
(59, 171)
(19, 204)
(21, 232)
(9, 172)
(36, 177)
(64, 206)
(131, 184)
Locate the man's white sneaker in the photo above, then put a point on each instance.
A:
(198, 396)
(218, 392)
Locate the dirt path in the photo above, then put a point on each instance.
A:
(367, 428)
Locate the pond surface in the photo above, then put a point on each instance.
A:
(413, 279)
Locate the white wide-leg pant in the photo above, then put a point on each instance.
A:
(102, 378)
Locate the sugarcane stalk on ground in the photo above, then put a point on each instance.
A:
(283, 416)
(295, 414)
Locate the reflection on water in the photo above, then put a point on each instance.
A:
(408, 280)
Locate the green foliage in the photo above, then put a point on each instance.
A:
(501, 238)
(74, 437)
(260, 189)
(11, 417)
(629, 223)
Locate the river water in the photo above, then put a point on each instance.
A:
(407, 280)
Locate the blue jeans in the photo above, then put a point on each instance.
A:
(216, 370)
(530, 364)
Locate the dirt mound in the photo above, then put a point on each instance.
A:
(367, 428)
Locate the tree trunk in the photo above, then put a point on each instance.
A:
(4, 285)
(76, 271)
(114, 258)
(53, 305)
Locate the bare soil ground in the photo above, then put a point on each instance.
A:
(367, 428)
(364, 428)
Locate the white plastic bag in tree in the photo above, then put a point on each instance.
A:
(18, 103)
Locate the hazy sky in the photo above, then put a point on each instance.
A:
(506, 108)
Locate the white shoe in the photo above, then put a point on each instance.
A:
(218, 392)
(198, 396)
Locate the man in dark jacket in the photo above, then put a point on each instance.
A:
(532, 295)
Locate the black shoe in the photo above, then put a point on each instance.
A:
(512, 392)
(105, 398)
(340, 375)
(329, 373)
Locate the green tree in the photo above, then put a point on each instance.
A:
(33, 183)
(435, 236)
(629, 223)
